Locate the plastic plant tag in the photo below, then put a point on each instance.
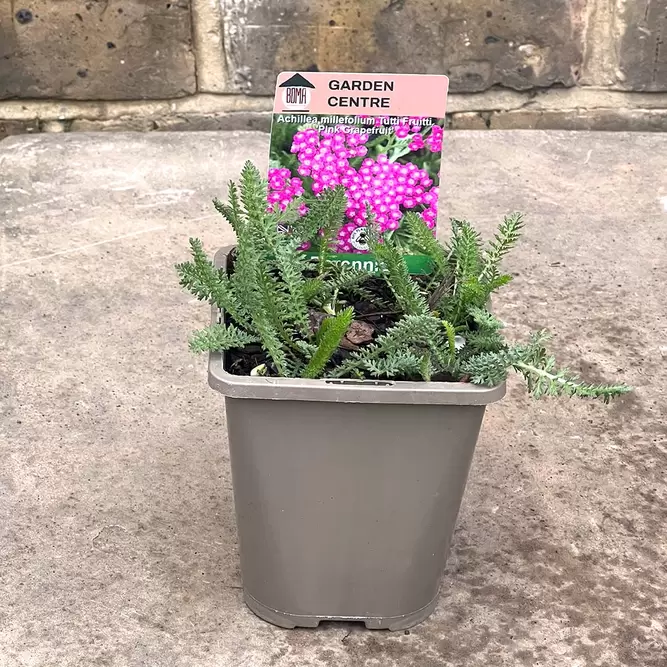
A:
(378, 135)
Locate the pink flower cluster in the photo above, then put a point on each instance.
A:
(412, 131)
(325, 156)
(388, 188)
(282, 189)
(434, 139)
(413, 125)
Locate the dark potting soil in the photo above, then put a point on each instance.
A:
(373, 314)
(375, 311)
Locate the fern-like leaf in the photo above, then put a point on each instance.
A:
(207, 283)
(483, 341)
(489, 287)
(291, 269)
(329, 336)
(313, 288)
(274, 303)
(232, 211)
(465, 250)
(423, 240)
(253, 191)
(484, 319)
(395, 270)
(539, 370)
(220, 337)
(487, 368)
(425, 367)
(450, 331)
(340, 279)
(414, 334)
(273, 345)
(465, 255)
(545, 380)
(505, 239)
(401, 364)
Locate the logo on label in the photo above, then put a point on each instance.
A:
(296, 93)
(358, 239)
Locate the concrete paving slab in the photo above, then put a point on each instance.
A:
(117, 536)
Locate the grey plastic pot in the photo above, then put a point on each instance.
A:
(346, 491)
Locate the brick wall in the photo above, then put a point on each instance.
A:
(69, 65)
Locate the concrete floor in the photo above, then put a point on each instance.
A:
(117, 536)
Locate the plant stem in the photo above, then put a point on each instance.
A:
(605, 392)
(545, 374)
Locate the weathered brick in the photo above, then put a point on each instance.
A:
(238, 120)
(115, 125)
(99, 49)
(9, 127)
(469, 120)
(643, 51)
(618, 120)
(479, 43)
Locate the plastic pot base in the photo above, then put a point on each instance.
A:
(291, 621)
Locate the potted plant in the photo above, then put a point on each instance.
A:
(354, 399)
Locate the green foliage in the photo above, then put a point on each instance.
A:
(395, 270)
(305, 313)
(465, 275)
(231, 210)
(325, 216)
(487, 368)
(207, 283)
(424, 242)
(539, 370)
(466, 248)
(401, 364)
(482, 341)
(399, 352)
(506, 238)
(329, 336)
(220, 337)
(339, 280)
(484, 319)
(451, 338)
(253, 193)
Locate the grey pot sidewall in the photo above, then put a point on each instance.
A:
(347, 510)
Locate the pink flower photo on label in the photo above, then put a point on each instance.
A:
(388, 167)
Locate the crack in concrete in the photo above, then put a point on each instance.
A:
(3, 267)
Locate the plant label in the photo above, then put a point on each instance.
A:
(378, 135)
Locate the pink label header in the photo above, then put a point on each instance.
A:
(347, 93)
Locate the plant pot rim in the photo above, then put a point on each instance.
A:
(343, 390)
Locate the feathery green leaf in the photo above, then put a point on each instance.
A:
(232, 210)
(329, 336)
(505, 239)
(423, 240)
(395, 270)
(207, 283)
(220, 337)
(451, 338)
(253, 191)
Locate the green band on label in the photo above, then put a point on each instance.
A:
(418, 265)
